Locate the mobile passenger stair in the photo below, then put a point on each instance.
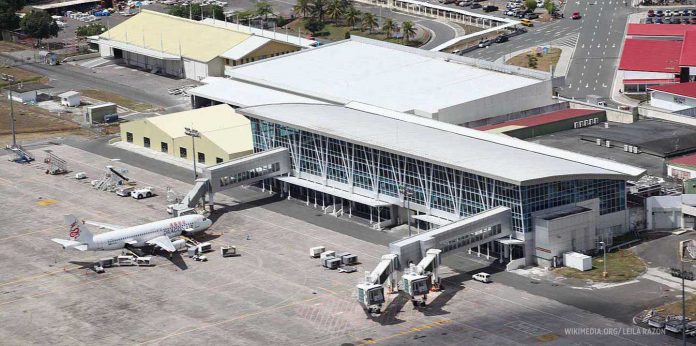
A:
(21, 155)
(56, 165)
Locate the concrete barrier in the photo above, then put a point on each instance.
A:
(613, 114)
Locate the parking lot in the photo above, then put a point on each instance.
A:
(672, 16)
(272, 294)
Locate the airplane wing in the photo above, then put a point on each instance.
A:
(105, 225)
(163, 242)
(70, 244)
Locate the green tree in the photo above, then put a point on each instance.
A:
(302, 7)
(91, 29)
(195, 11)
(369, 21)
(335, 10)
(530, 4)
(352, 16)
(550, 6)
(319, 9)
(263, 9)
(408, 30)
(532, 61)
(39, 25)
(8, 17)
(314, 25)
(388, 27)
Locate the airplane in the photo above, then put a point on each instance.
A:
(158, 233)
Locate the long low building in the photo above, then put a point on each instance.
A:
(435, 85)
(389, 166)
(187, 48)
(223, 134)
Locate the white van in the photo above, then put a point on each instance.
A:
(483, 277)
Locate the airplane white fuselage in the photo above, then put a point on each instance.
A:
(137, 236)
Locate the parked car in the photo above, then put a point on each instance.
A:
(651, 13)
(666, 20)
(501, 39)
(482, 277)
(576, 15)
(648, 20)
(510, 13)
(484, 43)
(490, 8)
(693, 12)
(526, 22)
(668, 13)
(476, 5)
(658, 20)
(692, 21)
(685, 20)
(531, 15)
(659, 13)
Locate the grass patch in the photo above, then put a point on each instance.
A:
(622, 265)
(6, 46)
(21, 75)
(338, 31)
(543, 62)
(676, 308)
(117, 99)
(34, 123)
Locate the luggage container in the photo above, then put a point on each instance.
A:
(205, 247)
(145, 261)
(228, 251)
(333, 263)
(349, 260)
(314, 252)
(107, 262)
(125, 260)
(327, 254)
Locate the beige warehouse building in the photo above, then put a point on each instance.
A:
(224, 134)
(191, 49)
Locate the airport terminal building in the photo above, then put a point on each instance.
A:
(365, 161)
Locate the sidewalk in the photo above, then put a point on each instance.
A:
(563, 61)
(617, 84)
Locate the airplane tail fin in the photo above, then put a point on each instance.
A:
(78, 230)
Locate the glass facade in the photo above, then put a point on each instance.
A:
(434, 188)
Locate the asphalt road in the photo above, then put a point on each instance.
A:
(440, 32)
(598, 36)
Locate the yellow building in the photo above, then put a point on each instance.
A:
(186, 48)
(224, 134)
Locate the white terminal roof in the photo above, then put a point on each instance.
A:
(242, 94)
(507, 159)
(386, 75)
(247, 46)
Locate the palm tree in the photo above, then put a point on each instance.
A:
(263, 9)
(409, 30)
(302, 7)
(319, 9)
(352, 16)
(388, 27)
(369, 21)
(335, 10)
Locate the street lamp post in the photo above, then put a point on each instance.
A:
(604, 249)
(193, 133)
(407, 192)
(11, 79)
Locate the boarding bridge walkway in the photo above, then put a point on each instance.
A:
(475, 230)
(241, 171)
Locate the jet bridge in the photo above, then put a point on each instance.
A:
(418, 257)
(242, 171)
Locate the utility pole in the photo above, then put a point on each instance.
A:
(194, 134)
(11, 79)
(604, 249)
(687, 253)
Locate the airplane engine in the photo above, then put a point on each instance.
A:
(179, 244)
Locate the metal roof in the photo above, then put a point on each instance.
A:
(247, 46)
(175, 36)
(681, 89)
(282, 36)
(63, 4)
(220, 124)
(242, 94)
(469, 150)
(663, 57)
(541, 119)
(387, 75)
